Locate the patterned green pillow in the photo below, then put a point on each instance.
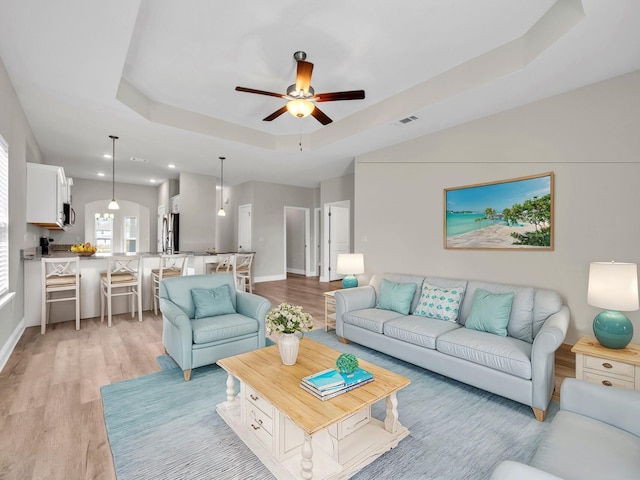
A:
(440, 303)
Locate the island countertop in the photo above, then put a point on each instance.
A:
(66, 253)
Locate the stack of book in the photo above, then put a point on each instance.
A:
(330, 383)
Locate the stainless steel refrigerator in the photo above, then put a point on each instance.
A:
(171, 233)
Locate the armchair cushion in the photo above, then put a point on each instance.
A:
(211, 302)
(222, 327)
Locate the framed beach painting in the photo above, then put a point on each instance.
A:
(515, 214)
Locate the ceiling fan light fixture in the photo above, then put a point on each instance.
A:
(300, 107)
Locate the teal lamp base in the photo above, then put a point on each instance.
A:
(349, 281)
(612, 329)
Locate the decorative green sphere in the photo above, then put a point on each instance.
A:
(347, 363)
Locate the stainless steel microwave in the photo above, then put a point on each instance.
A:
(69, 214)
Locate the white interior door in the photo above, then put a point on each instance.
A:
(339, 238)
(244, 228)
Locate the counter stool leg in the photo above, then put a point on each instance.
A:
(78, 308)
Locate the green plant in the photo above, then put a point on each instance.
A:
(347, 363)
(287, 318)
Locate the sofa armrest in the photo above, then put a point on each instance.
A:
(179, 345)
(617, 407)
(350, 299)
(547, 341)
(256, 307)
(509, 470)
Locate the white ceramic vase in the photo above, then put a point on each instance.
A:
(288, 344)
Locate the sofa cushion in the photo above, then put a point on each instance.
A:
(440, 303)
(370, 318)
(546, 303)
(490, 312)
(222, 327)
(210, 302)
(396, 296)
(579, 447)
(505, 354)
(376, 283)
(521, 316)
(418, 330)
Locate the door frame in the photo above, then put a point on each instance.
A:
(307, 237)
(324, 276)
(317, 247)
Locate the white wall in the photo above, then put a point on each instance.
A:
(588, 137)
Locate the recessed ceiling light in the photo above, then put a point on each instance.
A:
(107, 155)
(152, 180)
(171, 165)
(100, 174)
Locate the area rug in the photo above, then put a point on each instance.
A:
(161, 427)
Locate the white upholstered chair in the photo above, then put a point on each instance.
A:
(170, 266)
(122, 278)
(60, 275)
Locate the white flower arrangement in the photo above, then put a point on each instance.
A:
(287, 318)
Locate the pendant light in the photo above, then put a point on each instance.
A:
(113, 205)
(221, 212)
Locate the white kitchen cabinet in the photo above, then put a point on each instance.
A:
(47, 191)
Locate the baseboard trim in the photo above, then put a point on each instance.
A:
(297, 271)
(269, 278)
(10, 344)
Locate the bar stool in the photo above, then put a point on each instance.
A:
(170, 266)
(242, 271)
(60, 274)
(225, 262)
(122, 278)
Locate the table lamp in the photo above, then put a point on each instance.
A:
(614, 287)
(350, 264)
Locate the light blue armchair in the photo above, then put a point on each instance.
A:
(194, 342)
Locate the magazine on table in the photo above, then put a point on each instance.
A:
(329, 383)
(334, 392)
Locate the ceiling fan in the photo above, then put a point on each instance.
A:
(301, 95)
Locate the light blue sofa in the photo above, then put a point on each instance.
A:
(197, 342)
(520, 366)
(594, 436)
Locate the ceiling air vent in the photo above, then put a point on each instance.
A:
(404, 121)
(138, 159)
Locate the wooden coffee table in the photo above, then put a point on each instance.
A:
(296, 435)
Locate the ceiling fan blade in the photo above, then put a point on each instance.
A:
(321, 116)
(334, 96)
(303, 75)
(275, 114)
(259, 92)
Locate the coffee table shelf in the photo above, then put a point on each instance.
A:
(294, 434)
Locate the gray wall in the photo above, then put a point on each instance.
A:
(268, 222)
(588, 137)
(23, 148)
(86, 191)
(295, 240)
(197, 212)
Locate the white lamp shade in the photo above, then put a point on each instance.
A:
(350, 263)
(613, 286)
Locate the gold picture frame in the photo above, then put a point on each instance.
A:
(513, 214)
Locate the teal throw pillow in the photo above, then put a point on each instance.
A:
(211, 302)
(396, 296)
(490, 312)
(440, 303)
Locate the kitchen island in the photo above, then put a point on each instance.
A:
(90, 269)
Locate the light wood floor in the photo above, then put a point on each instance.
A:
(51, 419)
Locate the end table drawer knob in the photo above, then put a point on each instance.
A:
(607, 383)
(607, 365)
(253, 397)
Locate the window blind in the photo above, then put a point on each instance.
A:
(4, 217)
